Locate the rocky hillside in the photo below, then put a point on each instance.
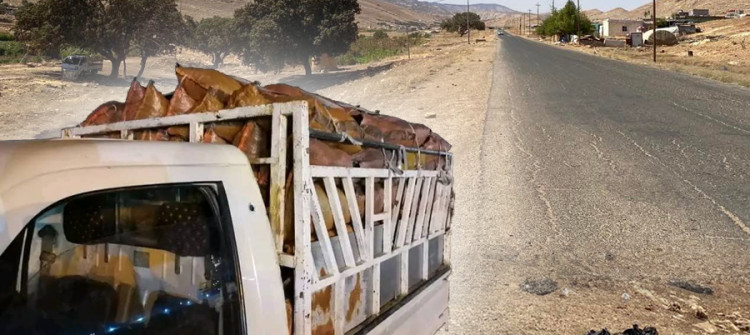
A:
(486, 11)
(616, 13)
(667, 7)
(376, 14)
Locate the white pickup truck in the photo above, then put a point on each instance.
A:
(76, 65)
(133, 237)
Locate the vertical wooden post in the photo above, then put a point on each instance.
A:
(278, 176)
(303, 263)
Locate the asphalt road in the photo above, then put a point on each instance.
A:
(596, 171)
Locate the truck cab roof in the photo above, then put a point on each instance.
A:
(35, 173)
(24, 160)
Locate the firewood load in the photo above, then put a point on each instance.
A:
(204, 90)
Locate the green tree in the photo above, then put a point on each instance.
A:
(215, 37)
(566, 21)
(48, 25)
(159, 29)
(379, 34)
(275, 33)
(111, 28)
(458, 23)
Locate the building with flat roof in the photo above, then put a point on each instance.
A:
(618, 28)
(699, 12)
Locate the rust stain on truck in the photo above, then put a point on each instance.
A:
(354, 298)
(322, 317)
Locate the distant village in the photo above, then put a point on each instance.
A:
(637, 32)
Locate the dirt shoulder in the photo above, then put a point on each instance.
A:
(36, 102)
(720, 52)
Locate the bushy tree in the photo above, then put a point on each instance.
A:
(48, 25)
(379, 34)
(565, 22)
(159, 29)
(215, 37)
(275, 33)
(458, 23)
(111, 28)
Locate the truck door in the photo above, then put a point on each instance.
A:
(139, 260)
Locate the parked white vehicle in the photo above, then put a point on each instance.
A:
(131, 237)
(76, 65)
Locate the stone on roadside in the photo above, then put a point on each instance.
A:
(706, 327)
(430, 116)
(632, 331)
(692, 287)
(700, 313)
(539, 287)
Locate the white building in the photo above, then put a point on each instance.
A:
(619, 28)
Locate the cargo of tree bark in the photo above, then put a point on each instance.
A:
(204, 91)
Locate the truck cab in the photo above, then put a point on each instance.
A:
(116, 237)
(133, 237)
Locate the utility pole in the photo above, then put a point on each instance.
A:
(529, 32)
(578, 18)
(553, 5)
(653, 16)
(537, 13)
(408, 43)
(468, 27)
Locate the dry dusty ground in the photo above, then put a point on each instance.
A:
(721, 52)
(35, 102)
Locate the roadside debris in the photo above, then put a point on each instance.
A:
(564, 293)
(700, 313)
(540, 287)
(742, 323)
(609, 257)
(692, 287)
(706, 327)
(731, 323)
(632, 331)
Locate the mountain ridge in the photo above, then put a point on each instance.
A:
(666, 8)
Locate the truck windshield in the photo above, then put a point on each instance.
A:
(74, 60)
(136, 261)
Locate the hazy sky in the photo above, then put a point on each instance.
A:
(524, 5)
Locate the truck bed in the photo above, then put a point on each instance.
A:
(367, 275)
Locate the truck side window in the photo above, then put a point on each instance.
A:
(147, 260)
